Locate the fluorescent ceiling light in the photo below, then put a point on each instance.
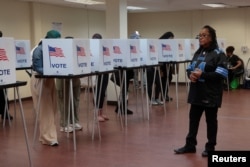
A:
(215, 5)
(135, 8)
(86, 2)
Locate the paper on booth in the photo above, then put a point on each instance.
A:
(7, 61)
(22, 53)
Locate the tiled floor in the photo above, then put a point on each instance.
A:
(143, 143)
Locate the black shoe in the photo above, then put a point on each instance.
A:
(204, 153)
(7, 117)
(168, 98)
(184, 150)
(129, 112)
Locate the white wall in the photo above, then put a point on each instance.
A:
(25, 20)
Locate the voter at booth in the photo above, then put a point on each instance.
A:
(48, 104)
(62, 88)
(101, 87)
(136, 35)
(2, 100)
(166, 76)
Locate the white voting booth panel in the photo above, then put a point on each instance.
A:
(7, 61)
(171, 50)
(66, 56)
(22, 53)
(166, 50)
(191, 46)
(101, 55)
(82, 53)
(149, 51)
(222, 44)
(126, 53)
(180, 50)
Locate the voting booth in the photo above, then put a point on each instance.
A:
(23, 58)
(149, 51)
(191, 46)
(7, 61)
(172, 50)
(126, 52)
(66, 56)
(101, 55)
(222, 44)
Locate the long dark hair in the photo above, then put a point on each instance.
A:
(167, 35)
(214, 43)
(97, 36)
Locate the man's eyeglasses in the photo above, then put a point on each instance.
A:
(202, 36)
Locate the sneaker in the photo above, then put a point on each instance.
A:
(159, 101)
(54, 143)
(153, 102)
(66, 129)
(77, 126)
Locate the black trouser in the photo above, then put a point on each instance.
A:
(101, 89)
(166, 76)
(212, 126)
(2, 102)
(129, 76)
(150, 82)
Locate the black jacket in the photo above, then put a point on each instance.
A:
(208, 90)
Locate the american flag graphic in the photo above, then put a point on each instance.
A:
(166, 47)
(80, 51)
(54, 51)
(117, 50)
(105, 51)
(151, 48)
(3, 56)
(180, 47)
(133, 49)
(20, 50)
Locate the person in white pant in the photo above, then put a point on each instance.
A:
(48, 107)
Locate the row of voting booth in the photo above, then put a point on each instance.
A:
(13, 54)
(84, 56)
